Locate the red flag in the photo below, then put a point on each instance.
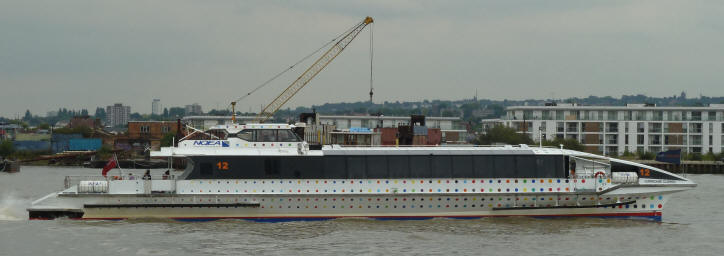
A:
(110, 165)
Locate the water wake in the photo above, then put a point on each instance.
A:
(13, 207)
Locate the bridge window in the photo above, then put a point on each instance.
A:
(266, 135)
(287, 136)
(247, 135)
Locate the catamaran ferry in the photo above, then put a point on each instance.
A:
(265, 172)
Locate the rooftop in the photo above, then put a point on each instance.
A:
(627, 107)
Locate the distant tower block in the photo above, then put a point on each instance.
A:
(156, 107)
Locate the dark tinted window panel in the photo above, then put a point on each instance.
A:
(207, 170)
(312, 167)
(504, 167)
(620, 167)
(398, 166)
(483, 166)
(525, 166)
(271, 167)
(251, 167)
(641, 172)
(356, 167)
(462, 166)
(545, 167)
(420, 166)
(559, 167)
(335, 167)
(661, 175)
(554, 167)
(301, 167)
(376, 167)
(442, 166)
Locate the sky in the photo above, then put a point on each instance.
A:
(85, 53)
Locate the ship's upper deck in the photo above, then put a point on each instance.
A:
(279, 140)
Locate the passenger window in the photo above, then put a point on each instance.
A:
(398, 166)
(442, 166)
(376, 167)
(335, 167)
(462, 166)
(484, 166)
(271, 167)
(420, 166)
(526, 167)
(207, 170)
(356, 167)
(504, 167)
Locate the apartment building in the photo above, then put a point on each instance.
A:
(611, 130)
(117, 115)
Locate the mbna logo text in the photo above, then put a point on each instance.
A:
(212, 143)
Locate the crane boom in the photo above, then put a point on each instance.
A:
(311, 72)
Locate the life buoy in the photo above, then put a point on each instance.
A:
(599, 173)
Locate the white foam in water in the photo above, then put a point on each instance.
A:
(13, 207)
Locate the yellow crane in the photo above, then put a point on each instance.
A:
(309, 74)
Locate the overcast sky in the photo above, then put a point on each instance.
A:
(84, 54)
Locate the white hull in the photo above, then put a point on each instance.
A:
(363, 200)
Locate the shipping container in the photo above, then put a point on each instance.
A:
(388, 135)
(29, 145)
(419, 130)
(84, 144)
(419, 140)
(60, 142)
(434, 136)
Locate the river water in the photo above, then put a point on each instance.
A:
(693, 224)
